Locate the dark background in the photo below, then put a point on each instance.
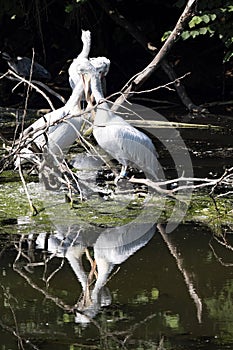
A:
(53, 29)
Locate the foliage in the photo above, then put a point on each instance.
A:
(212, 18)
(70, 6)
(218, 306)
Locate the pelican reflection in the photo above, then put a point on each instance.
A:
(104, 249)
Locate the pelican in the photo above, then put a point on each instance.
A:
(115, 245)
(22, 66)
(112, 246)
(101, 63)
(52, 131)
(82, 57)
(116, 136)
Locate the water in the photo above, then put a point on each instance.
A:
(149, 299)
(153, 290)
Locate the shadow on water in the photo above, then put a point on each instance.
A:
(76, 284)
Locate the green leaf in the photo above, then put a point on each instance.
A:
(165, 35)
(69, 8)
(185, 35)
(194, 33)
(228, 56)
(228, 41)
(195, 21)
(211, 32)
(154, 294)
(213, 16)
(203, 30)
(206, 18)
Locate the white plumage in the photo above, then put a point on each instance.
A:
(121, 140)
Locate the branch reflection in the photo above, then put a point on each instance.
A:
(75, 243)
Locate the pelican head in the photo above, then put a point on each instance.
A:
(101, 64)
(85, 69)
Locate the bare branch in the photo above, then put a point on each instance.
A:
(139, 79)
(30, 84)
(142, 40)
(31, 205)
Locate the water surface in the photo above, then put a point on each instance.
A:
(153, 290)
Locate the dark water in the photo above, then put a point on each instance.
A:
(153, 290)
(147, 301)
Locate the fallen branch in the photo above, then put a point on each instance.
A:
(158, 188)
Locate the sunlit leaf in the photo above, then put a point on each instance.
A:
(195, 21)
(194, 33)
(203, 30)
(172, 321)
(185, 35)
(165, 35)
(154, 294)
(228, 56)
(206, 18)
(213, 16)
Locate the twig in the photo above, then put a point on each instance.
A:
(166, 85)
(33, 86)
(11, 330)
(159, 189)
(217, 103)
(224, 243)
(226, 172)
(15, 331)
(54, 272)
(31, 205)
(37, 82)
(218, 258)
(52, 92)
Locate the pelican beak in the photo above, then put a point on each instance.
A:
(86, 85)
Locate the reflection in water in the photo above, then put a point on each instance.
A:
(187, 277)
(149, 298)
(103, 249)
(109, 248)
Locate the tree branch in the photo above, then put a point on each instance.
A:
(141, 39)
(142, 76)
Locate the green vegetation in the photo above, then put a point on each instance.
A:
(212, 18)
(121, 210)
